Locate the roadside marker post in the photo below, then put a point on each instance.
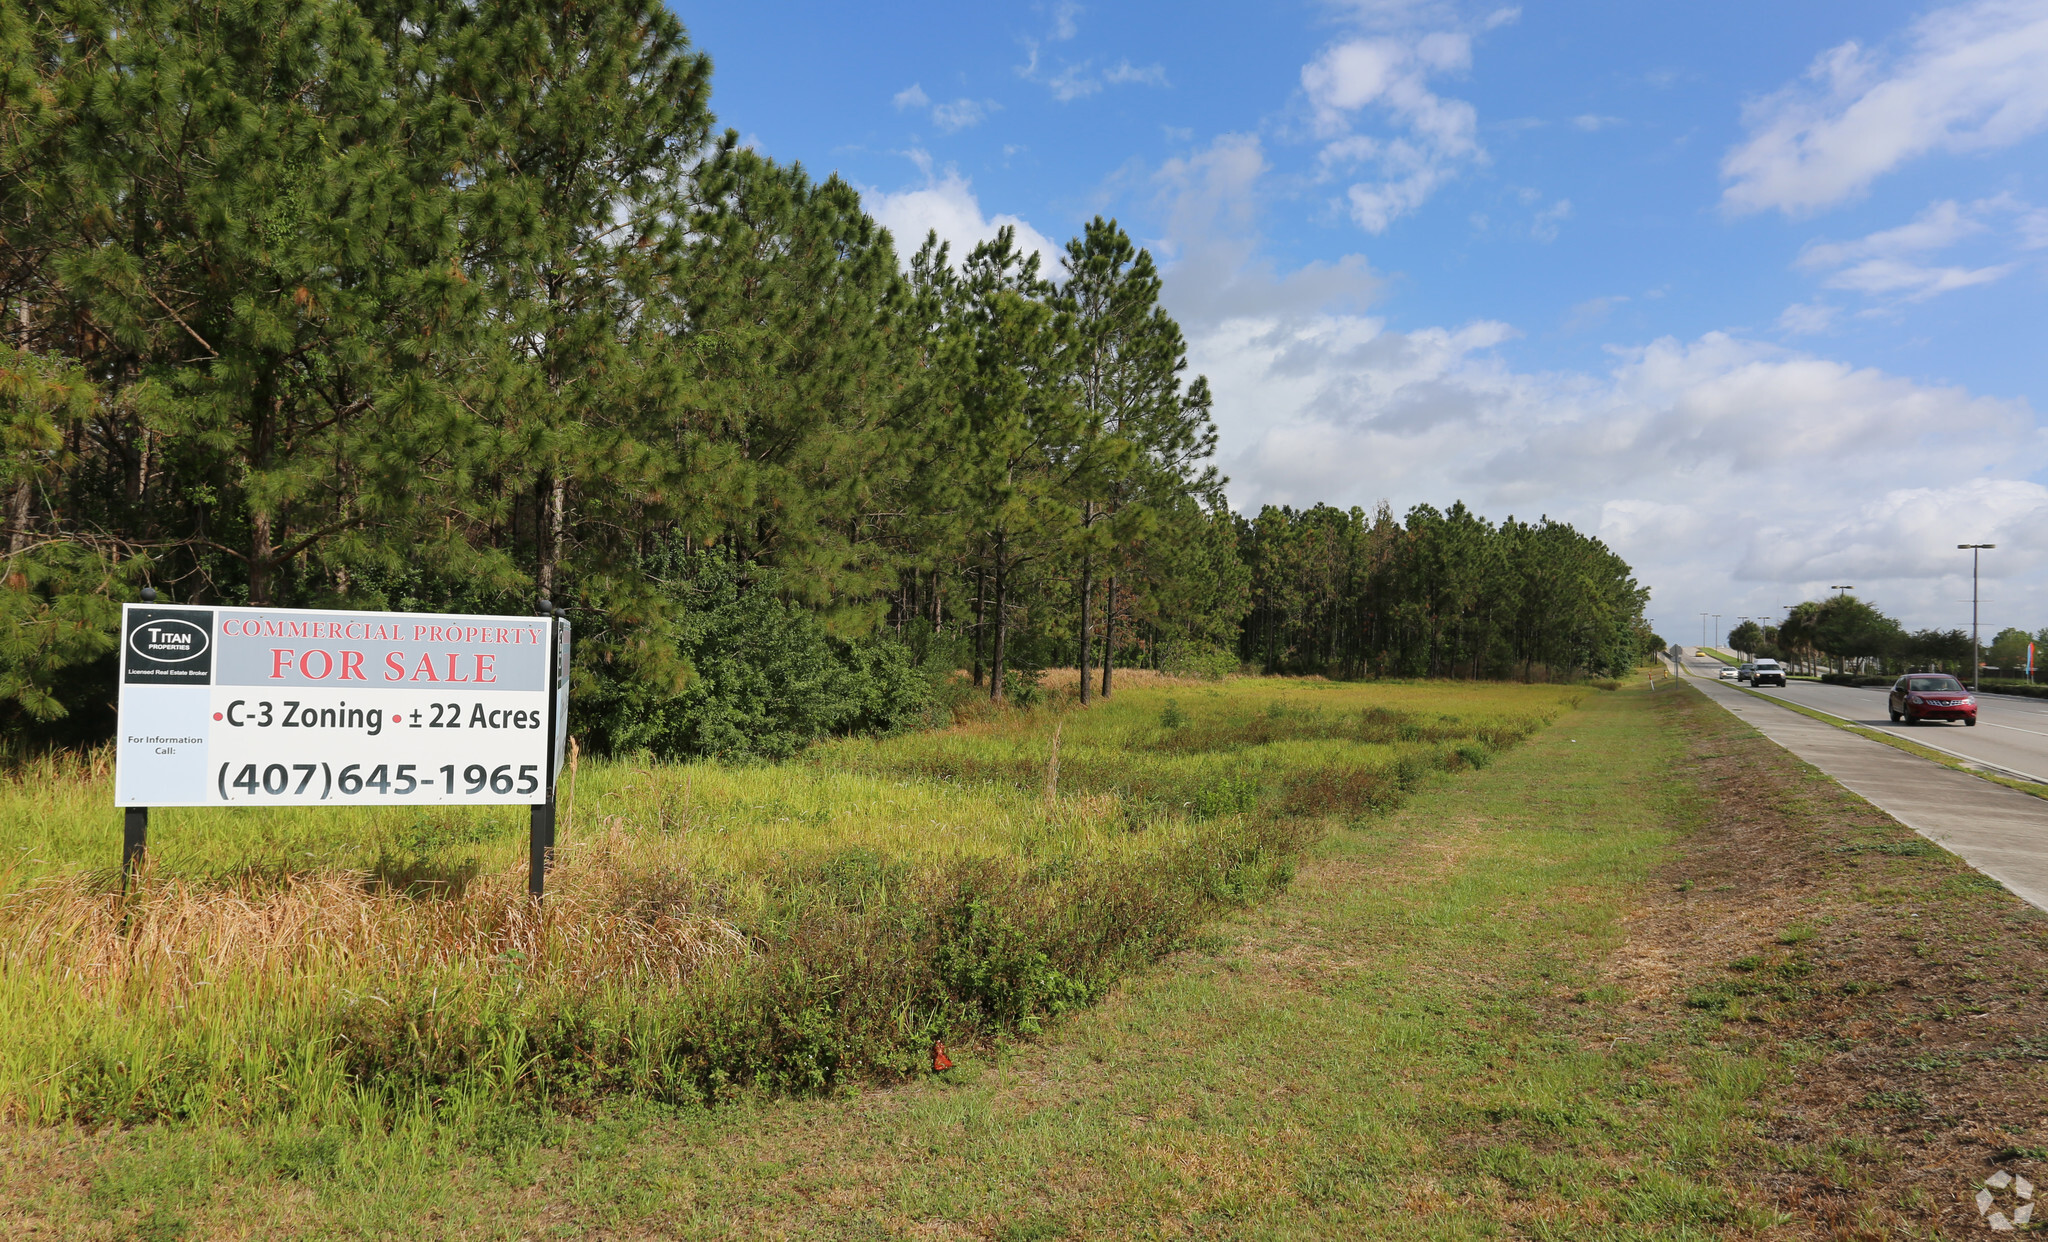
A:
(540, 825)
(235, 706)
(134, 840)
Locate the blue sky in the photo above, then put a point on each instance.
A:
(1754, 292)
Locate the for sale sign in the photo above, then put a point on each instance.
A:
(272, 706)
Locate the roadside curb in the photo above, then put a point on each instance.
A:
(2019, 782)
(1995, 824)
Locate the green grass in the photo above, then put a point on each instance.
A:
(975, 791)
(1418, 1040)
(711, 930)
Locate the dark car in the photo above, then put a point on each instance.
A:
(1931, 696)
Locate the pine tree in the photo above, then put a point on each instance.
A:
(580, 127)
(1015, 421)
(1144, 441)
(239, 236)
(788, 309)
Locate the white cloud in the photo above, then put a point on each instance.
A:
(1807, 318)
(961, 114)
(1547, 222)
(952, 117)
(1890, 263)
(1735, 475)
(1080, 79)
(1064, 20)
(948, 204)
(1912, 282)
(1390, 75)
(2034, 230)
(1942, 225)
(1211, 201)
(1124, 73)
(1911, 532)
(1970, 78)
(1073, 82)
(1722, 468)
(1594, 124)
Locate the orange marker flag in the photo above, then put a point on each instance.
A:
(940, 1061)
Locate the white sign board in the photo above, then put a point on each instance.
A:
(294, 707)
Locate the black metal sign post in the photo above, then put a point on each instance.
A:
(134, 819)
(134, 840)
(540, 825)
(540, 846)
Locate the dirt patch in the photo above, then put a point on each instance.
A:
(1903, 995)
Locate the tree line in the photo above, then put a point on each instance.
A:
(1438, 594)
(1844, 632)
(382, 304)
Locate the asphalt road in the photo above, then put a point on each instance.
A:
(2011, 733)
(1999, 831)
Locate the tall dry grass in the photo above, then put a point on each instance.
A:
(709, 929)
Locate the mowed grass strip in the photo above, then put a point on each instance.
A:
(1900, 996)
(1421, 1039)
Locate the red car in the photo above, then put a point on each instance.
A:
(1931, 696)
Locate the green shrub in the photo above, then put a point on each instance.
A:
(1001, 973)
(1021, 687)
(765, 679)
(1204, 660)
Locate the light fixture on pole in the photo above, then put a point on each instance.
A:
(1849, 587)
(1976, 660)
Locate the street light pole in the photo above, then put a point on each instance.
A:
(1717, 629)
(1841, 590)
(1703, 629)
(1976, 659)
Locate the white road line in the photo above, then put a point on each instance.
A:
(1980, 714)
(1902, 735)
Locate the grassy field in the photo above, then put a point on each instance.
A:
(710, 931)
(1159, 753)
(1642, 976)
